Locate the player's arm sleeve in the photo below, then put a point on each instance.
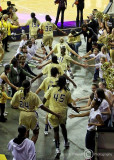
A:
(42, 86)
(68, 58)
(37, 101)
(38, 22)
(28, 22)
(55, 48)
(15, 100)
(45, 70)
(61, 71)
(40, 27)
(48, 94)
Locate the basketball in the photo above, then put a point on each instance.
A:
(57, 1)
(76, 2)
(41, 31)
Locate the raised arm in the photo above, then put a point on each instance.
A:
(45, 64)
(87, 54)
(90, 59)
(74, 108)
(80, 99)
(51, 52)
(79, 115)
(77, 63)
(38, 90)
(70, 80)
(8, 82)
(38, 76)
(61, 31)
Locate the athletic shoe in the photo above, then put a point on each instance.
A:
(46, 133)
(66, 144)
(5, 114)
(58, 152)
(3, 119)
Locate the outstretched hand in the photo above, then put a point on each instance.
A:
(39, 67)
(85, 65)
(74, 84)
(72, 116)
(64, 33)
(79, 57)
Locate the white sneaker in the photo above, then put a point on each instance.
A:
(5, 114)
(46, 133)
(58, 151)
(67, 144)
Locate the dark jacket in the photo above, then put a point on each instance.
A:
(80, 4)
(94, 25)
(89, 34)
(62, 3)
(14, 76)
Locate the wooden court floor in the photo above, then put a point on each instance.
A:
(43, 7)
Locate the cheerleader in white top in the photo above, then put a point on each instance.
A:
(95, 119)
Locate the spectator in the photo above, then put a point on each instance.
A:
(61, 8)
(21, 147)
(80, 7)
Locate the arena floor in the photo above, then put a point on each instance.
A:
(43, 7)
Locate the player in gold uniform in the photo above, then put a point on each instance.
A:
(47, 70)
(57, 49)
(59, 98)
(45, 85)
(28, 102)
(48, 27)
(64, 59)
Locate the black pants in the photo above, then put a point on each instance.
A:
(60, 10)
(90, 141)
(27, 68)
(2, 107)
(88, 45)
(14, 90)
(5, 43)
(79, 13)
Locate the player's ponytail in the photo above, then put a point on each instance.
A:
(34, 19)
(62, 82)
(54, 59)
(26, 85)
